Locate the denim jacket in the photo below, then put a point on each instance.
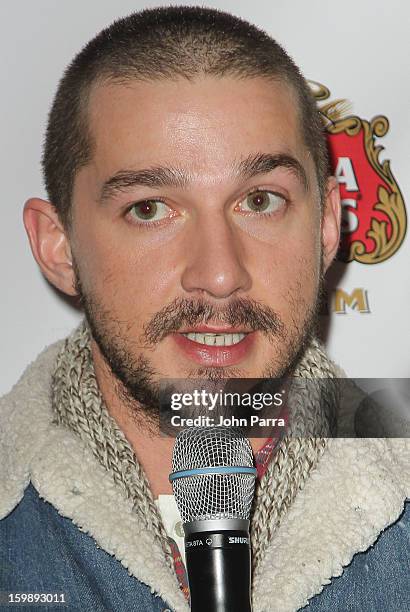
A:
(67, 530)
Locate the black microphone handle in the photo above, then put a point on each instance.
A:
(219, 571)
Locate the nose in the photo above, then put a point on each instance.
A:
(214, 259)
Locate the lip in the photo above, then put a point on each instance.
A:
(215, 329)
(214, 355)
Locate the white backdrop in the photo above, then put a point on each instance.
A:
(358, 49)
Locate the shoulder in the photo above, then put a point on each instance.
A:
(36, 526)
(25, 415)
(377, 579)
(42, 551)
(31, 539)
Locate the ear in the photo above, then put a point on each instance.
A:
(49, 244)
(331, 217)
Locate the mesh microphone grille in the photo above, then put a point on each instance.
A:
(212, 496)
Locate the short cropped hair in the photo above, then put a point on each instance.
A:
(165, 43)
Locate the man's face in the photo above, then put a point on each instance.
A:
(196, 229)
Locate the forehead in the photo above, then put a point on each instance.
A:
(203, 124)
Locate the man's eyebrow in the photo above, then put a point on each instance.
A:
(262, 163)
(159, 176)
(162, 176)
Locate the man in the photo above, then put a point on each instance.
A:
(191, 212)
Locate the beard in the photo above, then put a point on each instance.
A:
(136, 381)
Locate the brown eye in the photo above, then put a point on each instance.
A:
(146, 210)
(150, 210)
(262, 202)
(258, 201)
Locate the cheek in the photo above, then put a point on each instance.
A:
(287, 273)
(296, 277)
(131, 276)
(280, 240)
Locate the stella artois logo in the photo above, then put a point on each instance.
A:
(374, 214)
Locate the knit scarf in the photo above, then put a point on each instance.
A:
(79, 406)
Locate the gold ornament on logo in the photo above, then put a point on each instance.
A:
(337, 120)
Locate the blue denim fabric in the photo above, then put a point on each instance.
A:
(41, 551)
(377, 580)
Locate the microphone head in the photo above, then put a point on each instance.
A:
(213, 474)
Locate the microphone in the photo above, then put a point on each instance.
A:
(213, 480)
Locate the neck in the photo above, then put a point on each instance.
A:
(153, 450)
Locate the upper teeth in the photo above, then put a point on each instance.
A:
(216, 339)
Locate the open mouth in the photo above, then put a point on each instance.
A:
(210, 339)
(210, 347)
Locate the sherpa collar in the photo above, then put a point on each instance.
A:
(357, 490)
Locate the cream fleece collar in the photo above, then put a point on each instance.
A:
(357, 490)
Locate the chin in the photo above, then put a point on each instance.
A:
(219, 373)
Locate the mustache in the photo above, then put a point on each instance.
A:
(186, 312)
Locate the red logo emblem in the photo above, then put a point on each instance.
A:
(374, 214)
